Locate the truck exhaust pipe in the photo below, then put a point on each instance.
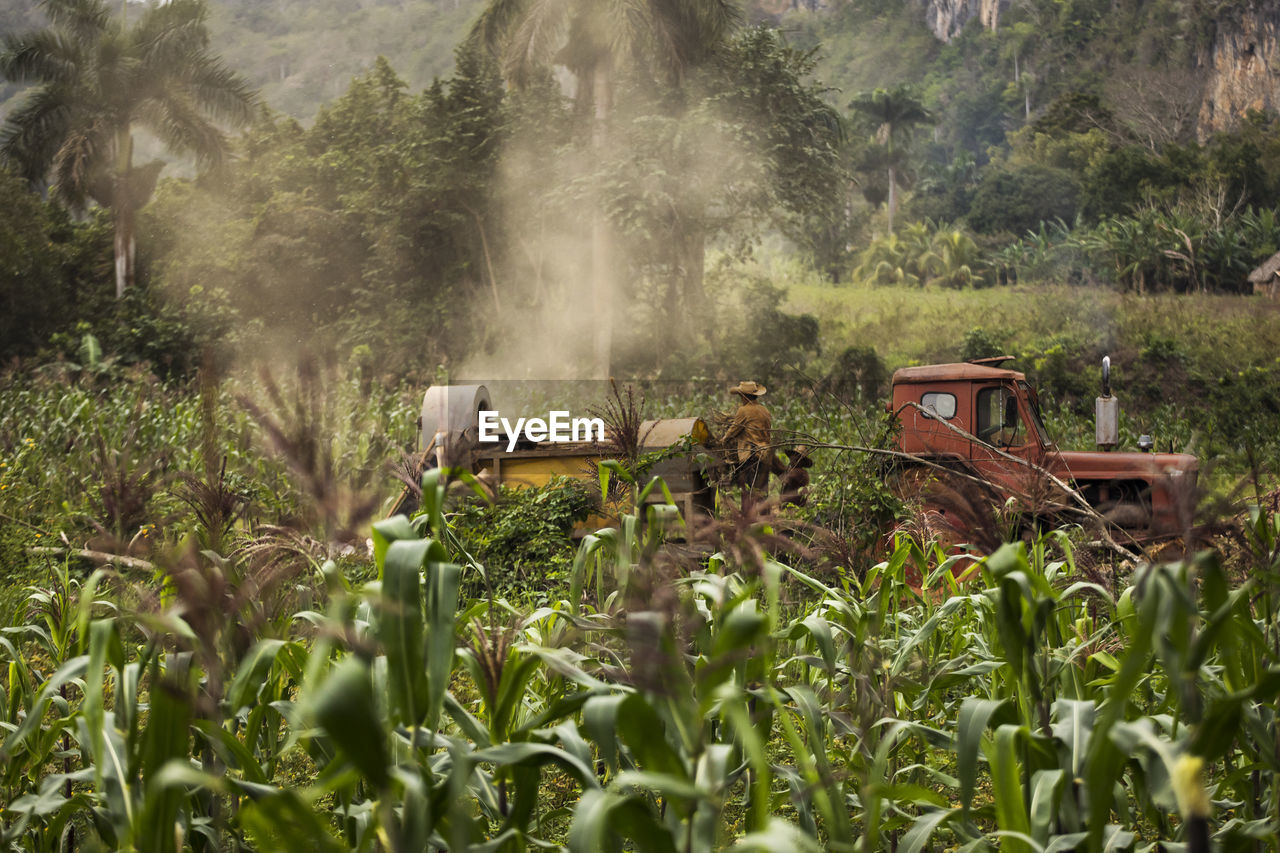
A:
(1107, 411)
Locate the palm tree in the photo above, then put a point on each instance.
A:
(590, 38)
(95, 80)
(895, 112)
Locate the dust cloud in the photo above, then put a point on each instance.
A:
(669, 178)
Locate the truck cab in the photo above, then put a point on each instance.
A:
(984, 421)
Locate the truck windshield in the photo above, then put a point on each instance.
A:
(1037, 421)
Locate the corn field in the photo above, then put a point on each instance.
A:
(740, 704)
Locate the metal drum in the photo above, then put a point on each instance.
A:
(450, 421)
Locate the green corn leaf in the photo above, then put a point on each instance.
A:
(975, 716)
(253, 672)
(820, 630)
(84, 608)
(1066, 843)
(1074, 722)
(602, 818)
(231, 751)
(1015, 841)
(416, 817)
(402, 631)
(916, 839)
(600, 719)
(741, 628)
(813, 762)
(612, 468)
(104, 645)
(645, 735)
(733, 707)
(388, 530)
(282, 821)
(903, 655)
(713, 776)
(655, 483)
(1046, 790)
(442, 583)
(664, 785)
(513, 690)
(1157, 755)
(69, 671)
(538, 754)
(112, 777)
(165, 739)
(343, 706)
(1006, 783)
(1104, 763)
(1117, 838)
(433, 488)
(775, 836)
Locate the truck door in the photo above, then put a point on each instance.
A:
(1001, 424)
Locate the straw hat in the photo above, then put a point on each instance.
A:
(751, 389)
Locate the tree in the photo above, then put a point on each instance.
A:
(379, 215)
(1018, 199)
(769, 93)
(590, 38)
(895, 113)
(96, 81)
(34, 296)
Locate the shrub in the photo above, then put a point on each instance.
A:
(859, 372)
(525, 539)
(979, 343)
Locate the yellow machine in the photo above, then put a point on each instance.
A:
(449, 436)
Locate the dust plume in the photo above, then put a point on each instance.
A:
(673, 182)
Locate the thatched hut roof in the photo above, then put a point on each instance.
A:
(1270, 267)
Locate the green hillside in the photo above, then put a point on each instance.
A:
(304, 54)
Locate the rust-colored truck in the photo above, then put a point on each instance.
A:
(983, 421)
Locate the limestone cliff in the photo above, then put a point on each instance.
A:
(1241, 65)
(946, 18)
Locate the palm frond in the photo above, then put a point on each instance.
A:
(623, 26)
(496, 23)
(83, 147)
(47, 56)
(86, 20)
(536, 39)
(168, 36)
(686, 33)
(219, 91)
(113, 71)
(32, 135)
(179, 124)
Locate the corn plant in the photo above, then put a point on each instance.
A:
(667, 704)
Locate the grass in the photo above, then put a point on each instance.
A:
(925, 325)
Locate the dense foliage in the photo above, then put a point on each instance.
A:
(740, 702)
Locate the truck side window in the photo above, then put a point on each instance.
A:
(939, 403)
(998, 421)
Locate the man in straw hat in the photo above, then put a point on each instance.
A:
(749, 436)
